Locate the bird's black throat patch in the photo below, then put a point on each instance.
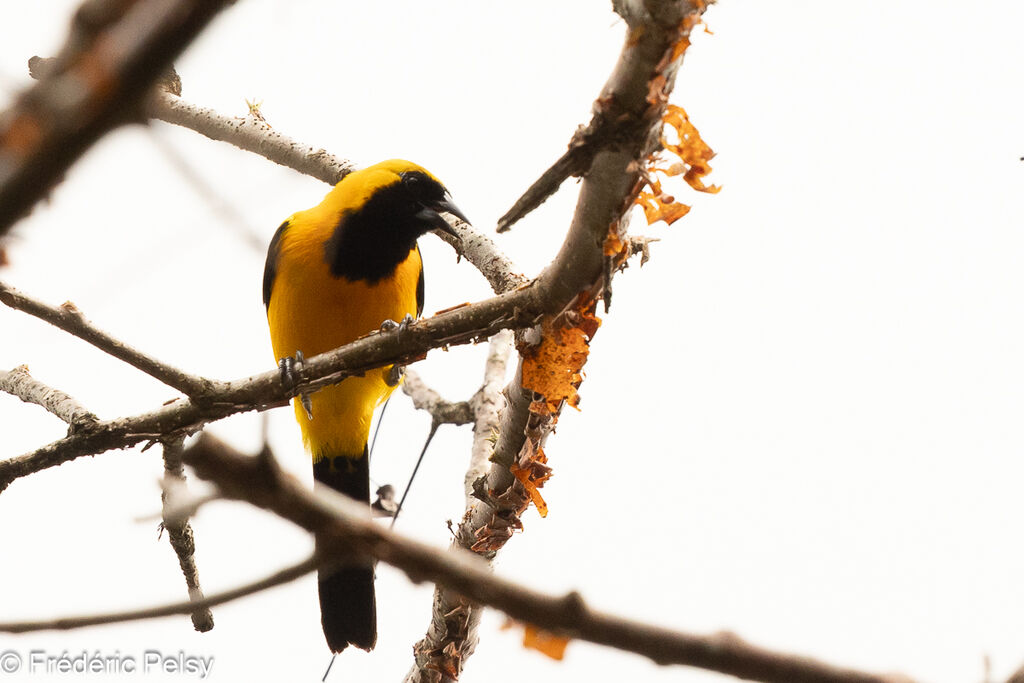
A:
(370, 242)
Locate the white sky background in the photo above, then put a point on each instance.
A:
(801, 420)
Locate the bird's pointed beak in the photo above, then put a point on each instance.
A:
(432, 215)
(448, 206)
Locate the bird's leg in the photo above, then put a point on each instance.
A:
(385, 505)
(394, 375)
(290, 368)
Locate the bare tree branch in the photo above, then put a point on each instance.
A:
(114, 52)
(451, 614)
(501, 273)
(344, 528)
(179, 533)
(634, 98)
(487, 405)
(66, 623)
(252, 134)
(263, 391)
(18, 382)
(71, 320)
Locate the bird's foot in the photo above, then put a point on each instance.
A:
(290, 368)
(401, 327)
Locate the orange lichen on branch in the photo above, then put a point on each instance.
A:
(690, 148)
(613, 243)
(532, 471)
(553, 372)
(694, 164)
(678, 49)
(22, 135)
(658, 205)
(452, 308)
(93, 71)
(544, 641)
(553, 368)
(538, 639)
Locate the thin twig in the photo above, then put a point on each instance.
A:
(434, 424)
(18, 382)
(343, 528)
(226, 213)
(65, 623)
(114, 52)
(71, 320)
(574, 162)
(251, 134)
(179, 533)
(425, 398)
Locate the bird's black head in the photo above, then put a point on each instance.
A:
(387, 207)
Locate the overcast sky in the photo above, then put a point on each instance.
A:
(801, 421)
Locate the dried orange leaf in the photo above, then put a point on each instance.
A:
(545, 641)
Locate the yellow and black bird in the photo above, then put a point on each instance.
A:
(335, 273)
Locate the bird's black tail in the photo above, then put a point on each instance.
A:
(348, 605)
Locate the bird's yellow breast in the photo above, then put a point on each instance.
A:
(313, 311)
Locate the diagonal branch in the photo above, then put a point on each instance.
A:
(584, 144)
(344, 527)
(260, 392)
(286, 575)
(254, 134)
(18, 382)
(71, 320)
(114, 52)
